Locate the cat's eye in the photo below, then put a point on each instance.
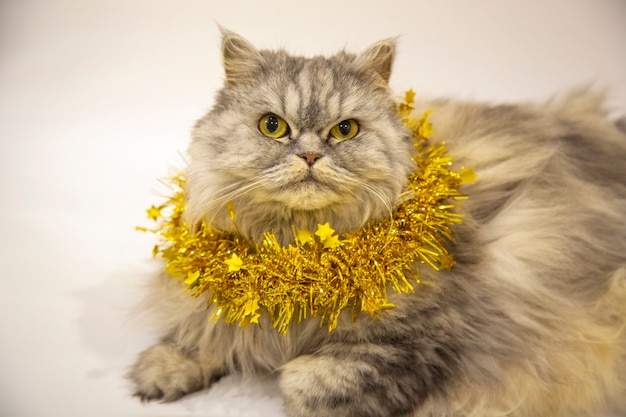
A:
(273, 126)
(344, 130)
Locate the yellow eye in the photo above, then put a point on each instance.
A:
(273, 126)
(345, 130)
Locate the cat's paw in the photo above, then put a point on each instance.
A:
(163, 373)
(362, 381)
(318, 386)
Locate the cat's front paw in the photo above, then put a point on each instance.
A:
(353, 380)
(321, 386)
(163, 373)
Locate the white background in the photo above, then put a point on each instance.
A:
(96, 102)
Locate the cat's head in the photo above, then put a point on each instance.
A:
(294, 141)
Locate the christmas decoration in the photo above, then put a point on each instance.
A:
(321, 274)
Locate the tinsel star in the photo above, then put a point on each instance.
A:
(234, 263)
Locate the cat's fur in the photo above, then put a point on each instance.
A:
(530, 321)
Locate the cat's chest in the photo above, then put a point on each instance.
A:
(261, 347)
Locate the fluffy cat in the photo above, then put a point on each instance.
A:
(529, 322)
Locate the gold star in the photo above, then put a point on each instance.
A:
(255, 318)
(331, 242)
(447, 262)
(468, 176)
(324, 231)
(234, 263)
(192, 278)
(304, 236)
(409, 96)
(250, 312)
(154, 213)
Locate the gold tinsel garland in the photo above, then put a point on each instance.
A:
(321, 274)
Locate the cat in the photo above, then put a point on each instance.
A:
(529, 322)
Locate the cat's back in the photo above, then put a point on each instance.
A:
(574, 128)
(564, 155)
(551, 186)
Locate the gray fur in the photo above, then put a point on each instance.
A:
(530, 322)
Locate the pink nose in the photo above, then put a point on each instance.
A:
(310, 158)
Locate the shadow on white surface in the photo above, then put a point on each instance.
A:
(109, 329)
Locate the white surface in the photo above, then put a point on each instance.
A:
(96, 102)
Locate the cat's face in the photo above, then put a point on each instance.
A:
(292, 142)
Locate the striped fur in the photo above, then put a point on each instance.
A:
(530, 322)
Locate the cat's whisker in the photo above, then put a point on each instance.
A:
(239, 189)
(214, 205)
(383, 199)
(370, 189)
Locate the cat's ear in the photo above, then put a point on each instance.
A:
(378, 58)
(240, 58)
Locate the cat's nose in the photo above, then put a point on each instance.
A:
(310, 158)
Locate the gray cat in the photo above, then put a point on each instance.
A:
(529, 322)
